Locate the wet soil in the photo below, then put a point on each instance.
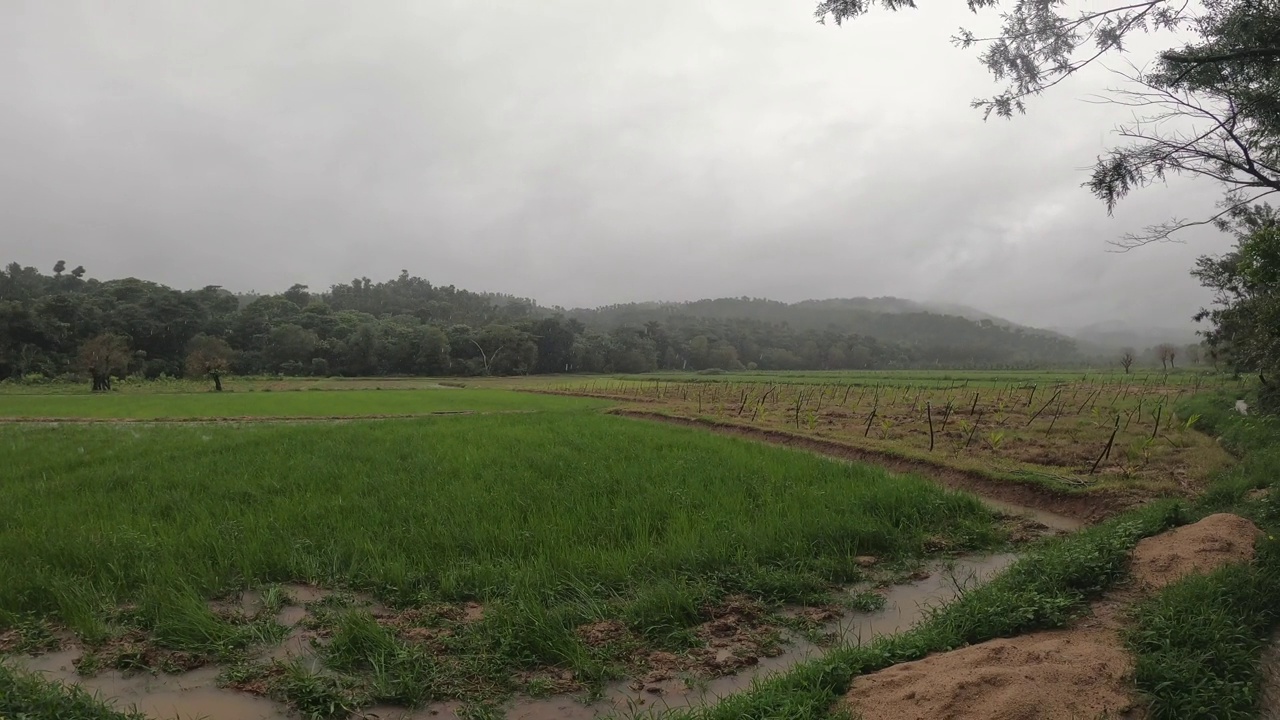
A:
(1055, 510)
(736, 654)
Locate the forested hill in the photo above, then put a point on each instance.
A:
(65, 322)
(845, 314)
(926, 338)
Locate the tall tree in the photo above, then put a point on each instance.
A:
(208, 357)
(103, 356)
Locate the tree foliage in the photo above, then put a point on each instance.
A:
(1210, 108)
(1245, 317)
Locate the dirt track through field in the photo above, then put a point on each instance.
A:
(1083, 671)
(1055, 510)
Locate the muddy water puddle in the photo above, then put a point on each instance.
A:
(187, 696)
(1053, 521)
(195, 694)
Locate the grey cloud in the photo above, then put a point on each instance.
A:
(580, 153)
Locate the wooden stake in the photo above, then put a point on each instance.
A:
(973, 430)
(928, 411)
(1107, 451)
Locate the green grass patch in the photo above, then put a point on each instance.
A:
(281, 404)
(550, 520)
(1197, 643)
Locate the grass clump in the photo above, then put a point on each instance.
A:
(318, 696)
(26, 696)
(1197, 643)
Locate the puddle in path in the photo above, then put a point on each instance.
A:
(195, 694)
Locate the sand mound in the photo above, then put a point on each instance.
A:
(1080, 672)
(1199, 548)
(1059, 675)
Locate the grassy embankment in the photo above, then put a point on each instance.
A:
(550, 521)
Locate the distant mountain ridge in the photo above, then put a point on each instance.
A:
(953, 334)
(805, 313)
(1110, 335)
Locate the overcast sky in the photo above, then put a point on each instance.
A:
(575, 151)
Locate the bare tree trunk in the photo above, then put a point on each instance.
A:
(217, 382)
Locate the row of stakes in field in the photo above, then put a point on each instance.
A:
(729, 398)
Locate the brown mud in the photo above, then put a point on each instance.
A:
(737, 653)
(1059, 511)
(1083, 671)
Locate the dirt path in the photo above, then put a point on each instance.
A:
(1056, 510)
(1083, 671)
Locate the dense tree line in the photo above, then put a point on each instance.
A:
(61, 323)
